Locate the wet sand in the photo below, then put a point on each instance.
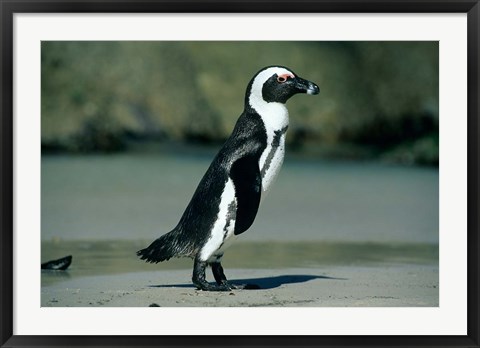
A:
(329, 234)
(402, 285)
(108, 273)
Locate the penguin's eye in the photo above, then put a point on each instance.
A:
(284, 77)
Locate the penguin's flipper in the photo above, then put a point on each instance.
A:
(246, 177)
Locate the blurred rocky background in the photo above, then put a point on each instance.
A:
(378, 100)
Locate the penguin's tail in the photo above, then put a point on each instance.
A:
(162, 249)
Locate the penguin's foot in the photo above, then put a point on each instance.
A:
(240, 286)
(245, 286)
(198, 278)
(221, 279)
(212, 287)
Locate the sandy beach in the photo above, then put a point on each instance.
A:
(403, 285)
(330, 234)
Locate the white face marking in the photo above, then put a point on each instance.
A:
(275, 118)
(218, 235)
(275, 114)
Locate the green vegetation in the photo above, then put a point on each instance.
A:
(377, 99)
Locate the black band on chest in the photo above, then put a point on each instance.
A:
(275, 144)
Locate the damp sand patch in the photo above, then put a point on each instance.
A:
(91, 258)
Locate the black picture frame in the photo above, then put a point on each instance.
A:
(10, 7)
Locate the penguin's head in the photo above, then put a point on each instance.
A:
(277, 84)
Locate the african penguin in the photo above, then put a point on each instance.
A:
(227, 198)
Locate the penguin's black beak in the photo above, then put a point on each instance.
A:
(305, 86)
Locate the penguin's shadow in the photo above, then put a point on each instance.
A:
(264, 283)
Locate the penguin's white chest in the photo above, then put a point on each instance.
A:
(275, 119)
(271, 159)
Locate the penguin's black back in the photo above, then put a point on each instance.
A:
(238, 159)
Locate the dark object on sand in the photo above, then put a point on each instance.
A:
(58, 265)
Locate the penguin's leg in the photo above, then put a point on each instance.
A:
(218, 274)
(221, 279)
(199, 280)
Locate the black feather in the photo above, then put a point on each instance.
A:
(162, 249)
(246, 177)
